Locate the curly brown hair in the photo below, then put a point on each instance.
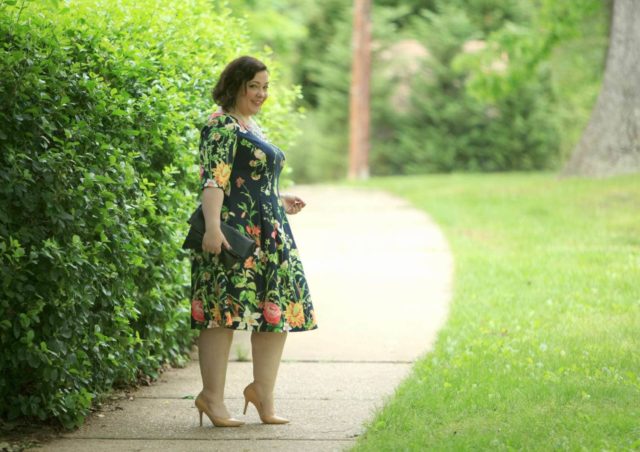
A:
(233, 77)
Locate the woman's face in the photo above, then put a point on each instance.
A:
(252, 96)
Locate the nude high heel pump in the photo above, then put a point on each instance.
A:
(217, 421)
(250, 395)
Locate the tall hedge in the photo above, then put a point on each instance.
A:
(101, 103)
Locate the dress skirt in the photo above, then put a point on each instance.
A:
(268, 291)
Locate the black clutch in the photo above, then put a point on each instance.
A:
(242, 246)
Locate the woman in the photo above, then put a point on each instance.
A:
(267, 294)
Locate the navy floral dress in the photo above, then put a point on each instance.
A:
(268, 292)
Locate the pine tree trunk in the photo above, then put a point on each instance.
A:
(610, 144)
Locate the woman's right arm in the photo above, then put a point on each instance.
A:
(217, 150)
(213, 239)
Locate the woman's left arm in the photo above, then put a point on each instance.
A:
(292, 203)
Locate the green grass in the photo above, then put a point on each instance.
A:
(541, 350)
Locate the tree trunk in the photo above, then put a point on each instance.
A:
(610, 144)
(359, 94)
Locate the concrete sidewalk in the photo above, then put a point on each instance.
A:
(380, 275)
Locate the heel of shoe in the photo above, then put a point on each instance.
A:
(200, 410)
(216, 421)
(250, 395)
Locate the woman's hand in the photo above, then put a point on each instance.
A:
(213, 241)
(292, 203)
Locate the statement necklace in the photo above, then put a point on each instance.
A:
(249, 125)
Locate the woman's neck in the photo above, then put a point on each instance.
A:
(243, 118)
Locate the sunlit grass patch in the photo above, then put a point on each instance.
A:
(541, 350)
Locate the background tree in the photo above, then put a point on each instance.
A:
(359, 106)
(477, 85)
(611, 142)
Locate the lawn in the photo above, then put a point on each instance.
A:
(542, 347)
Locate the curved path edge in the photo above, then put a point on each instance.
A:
(380, 274)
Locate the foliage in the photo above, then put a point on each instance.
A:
(520, 103)
(101, 107)
(446, 128)
(540, 348)
(566, 41)
(530, 44)
(321, 149)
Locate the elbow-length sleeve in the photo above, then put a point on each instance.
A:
(217, 150)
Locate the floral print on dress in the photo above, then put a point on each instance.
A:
(268, 291)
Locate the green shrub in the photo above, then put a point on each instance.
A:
(446, 128)
(553, 57)
(321, 151)
(101, 108)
